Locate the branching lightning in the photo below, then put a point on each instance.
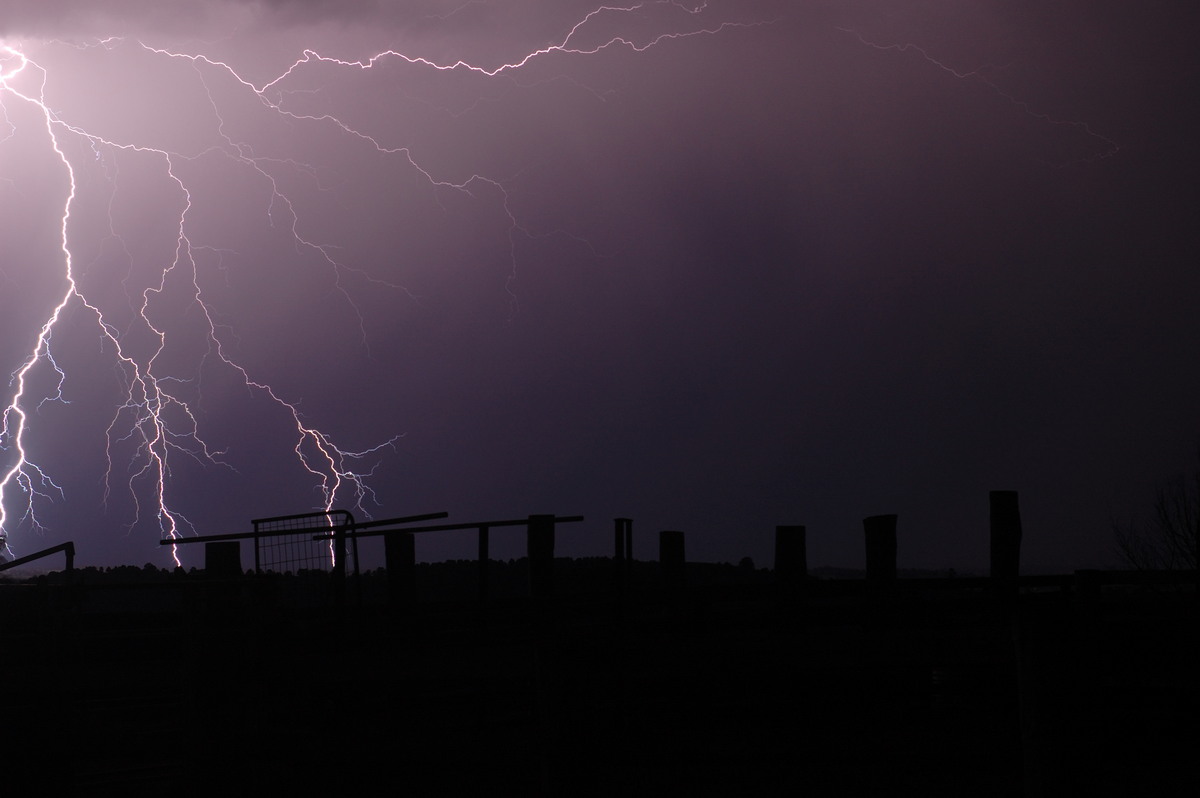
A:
(155, 416)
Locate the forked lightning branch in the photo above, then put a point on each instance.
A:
(156, 417)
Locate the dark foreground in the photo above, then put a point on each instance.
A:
(716, 690)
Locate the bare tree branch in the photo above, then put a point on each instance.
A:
(1169, 540)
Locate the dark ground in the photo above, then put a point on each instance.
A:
(722, 689)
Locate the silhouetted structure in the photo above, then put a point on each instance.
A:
(223, 559)
(540, 548)
(739, 695)
(400, 555)
(287, 543)
(67, 548)
(1005, 540)
(622, 540)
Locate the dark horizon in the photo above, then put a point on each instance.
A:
(605, 679)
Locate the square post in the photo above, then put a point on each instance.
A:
(400, 557)
(540, 550)
(483, 563)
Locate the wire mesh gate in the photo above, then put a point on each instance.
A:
(288, 543)
(313, 570)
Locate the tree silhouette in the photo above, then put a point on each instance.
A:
(1169, 539)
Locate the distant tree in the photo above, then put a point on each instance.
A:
(1169, 539)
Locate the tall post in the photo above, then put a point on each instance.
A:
(791, 559)
(622, 548)
(483, 564)
(619, 539)
(222, 567)
(628, 546)
(880, 533)
(223, 559)
(671, 558)
(400, 556)
(540, 549)
(1005, 528)
(339, 565)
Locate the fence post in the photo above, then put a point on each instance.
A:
(791, 559)
(222, 559)
(629, 543)
(1005, 529)
(622, 548)
(483, 564)
(880, 531)
(222, 566)
(400, 557)
(671, 558)
(338, 575)
(540, 550)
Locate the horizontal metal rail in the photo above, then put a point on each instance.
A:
(298, 516)
(355, 533)
(68, 547)
(408, 519)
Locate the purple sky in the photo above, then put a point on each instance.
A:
(785, 273)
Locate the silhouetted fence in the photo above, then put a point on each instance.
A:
(400, 551)
(291, 543)
(297, 545)
(285, 543)
(67, 548)
(327, 541)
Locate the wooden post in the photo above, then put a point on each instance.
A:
(619, 538)
(400, 557)
(222, 567)
(881, 563)
(880, 533)
(1005, 535)
(1005, 531)
(483, 564)
(622, 548)
(671, 558)
(540, 549)
(628, 547)
(338, 574)
(223, 559)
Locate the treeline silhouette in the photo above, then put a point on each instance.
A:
(130, 588)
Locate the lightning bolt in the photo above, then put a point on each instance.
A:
(157, 416)
(1106, 149)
